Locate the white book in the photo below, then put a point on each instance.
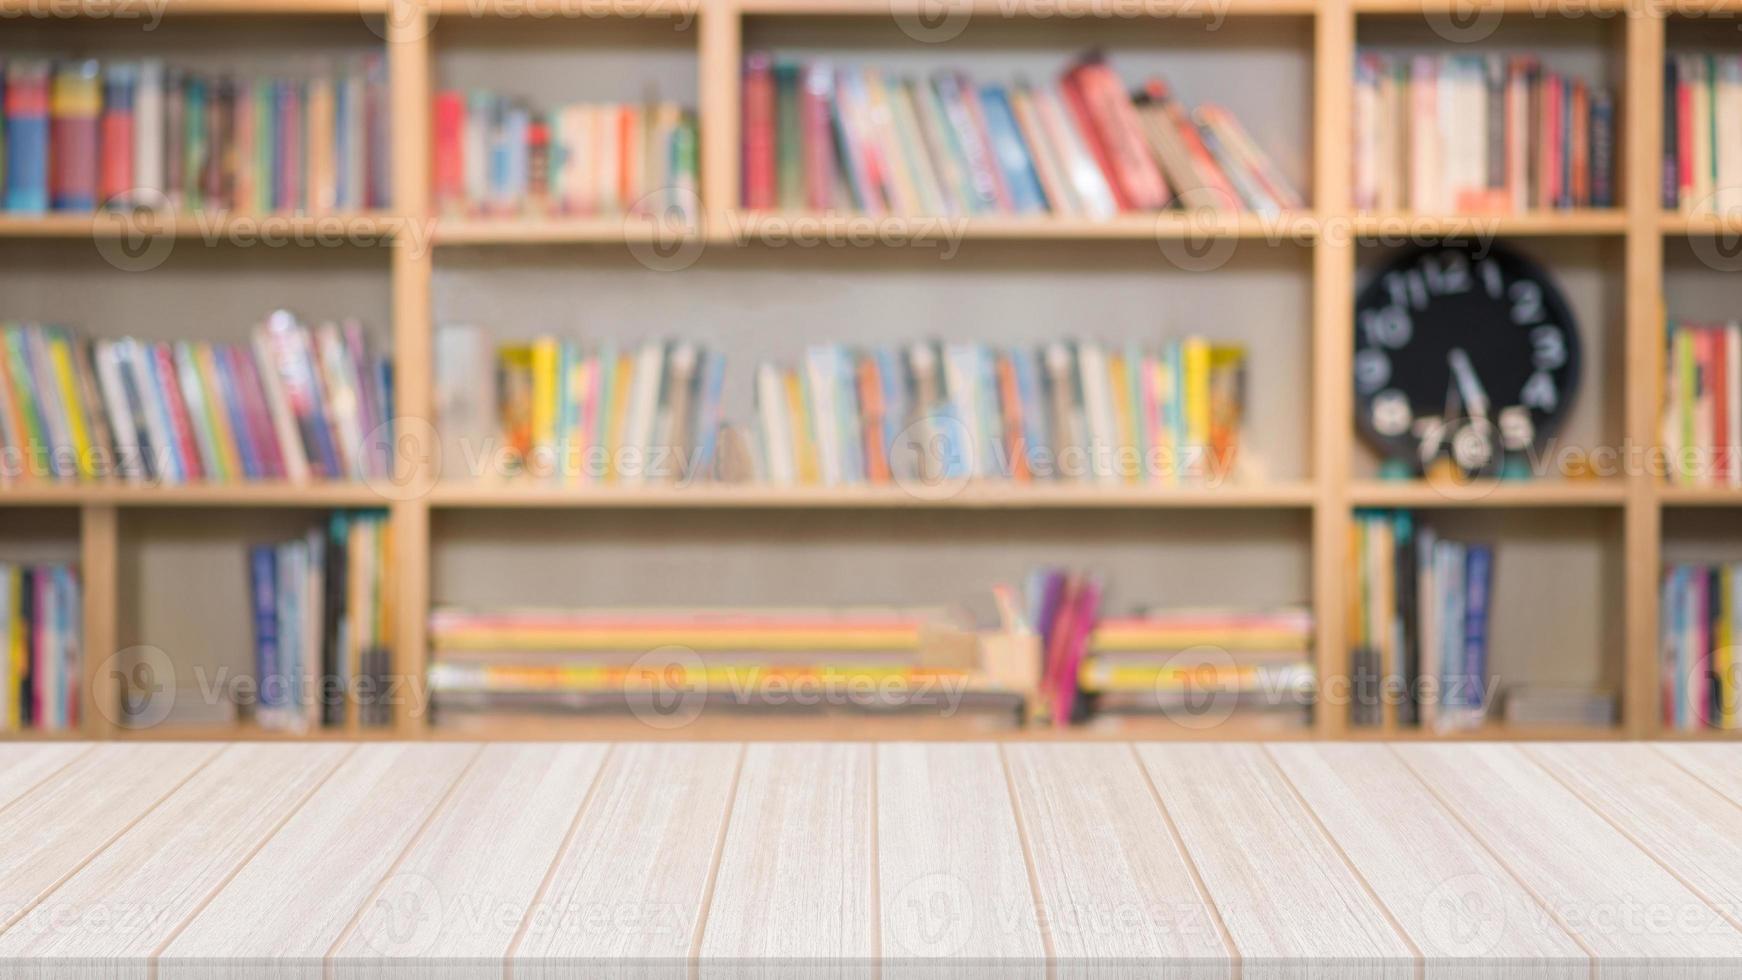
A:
(776, 429)
(1425, 149)
(1085, 176)
(133, 358)
(148, 135)
(962, 379)
(343, 405)
(465, 396)
(820, 378)
(1728, 150)
(575, 135)
(1103, 431)
(475, 153)
(356, 137)
(284, 423)
(607, 136)
(121, 422)
(643, 404)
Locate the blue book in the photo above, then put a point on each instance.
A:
(232, 405)
(851, 414)
(26, 118)
(342, 110)
(1011, 154)
(708, 413)
(1028, 389)
(1478, 577)
(263, 583)
(515, 125)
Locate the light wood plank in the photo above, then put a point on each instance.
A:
(952, 879)
(1692, 829)
(463, 889)
(1114, 891)
(131, 897)
(1290, 903)
(69, 818)
(1634, 916)
(1460, 907)
(288, 905)
(1718, 766)
(628, 893)
(794, 882)
(24, 765)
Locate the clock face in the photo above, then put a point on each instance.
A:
(1466, 354)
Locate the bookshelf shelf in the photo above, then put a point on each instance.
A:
(1493, 732)
(731, 497)
(1023, 8)
(227, 8)
(1535, 223)
(273, 494)
(212, 229)
(1673, 496)
(1464, 8)
(1426, 496)
(1674, 223)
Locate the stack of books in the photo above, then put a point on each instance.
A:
(1418, 624)
(823, 138)
(559, 410)
(495, 157)
(1069, 411)
(1474, 133)
(81, 135)
(295, 404)
(41, 668)
(1700, 669)
(557, 660)
(1702, 407)
(323, 624)
(1213, 664)
(1702, 133)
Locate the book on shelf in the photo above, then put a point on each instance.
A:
(1702, 405)
(826, 138)
(1702, 133)
(323, 630)
(557, 409)
(1699, 669)
(1067, 411)
(82, 135)
(496, 157)
(1479, 133)
(41, 625)
(1418, 624)
(294, 403)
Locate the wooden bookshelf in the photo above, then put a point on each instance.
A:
(1324, 244)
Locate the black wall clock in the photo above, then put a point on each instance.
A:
(1464, 353)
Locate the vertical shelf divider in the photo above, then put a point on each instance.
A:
(719, 54)
(99, 573)
(1333, 313)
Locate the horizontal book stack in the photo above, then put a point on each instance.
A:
(1702, 408)
(82, 135)
(495, 157)
(323, 628)
(41, 622)
(1702, 133)
(1204, 666)
(1074, 411)
(560, 410)
(556, 660)
(294, 404)
(818, 137)
(1700, 669)
(1479, 133)
(1418, 624)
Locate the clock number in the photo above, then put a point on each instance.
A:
(1517, 432)
(1372, 370)
(1539, 392)
(1387, 327)
(1492, 280)
(1448, 277)
(1526, 299)
(1391, 413)
(1550, 346)
(1430, 432)
(1407, 289)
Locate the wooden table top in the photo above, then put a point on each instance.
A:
(670, 859)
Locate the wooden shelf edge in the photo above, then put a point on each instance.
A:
(1464, 8)
(1013, 9)
(1492, 732)
(216, 228)
(273, 494)
(728, 497)
(1385, 493)
(1603, 222)
(1674, 496)
(149, 11)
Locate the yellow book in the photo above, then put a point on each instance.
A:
(323, 174)
(619, 412)
(1124, 426)
(546, 361)
(1115, 639)
(1196, 369)
(804, 446)
(1162, 378)
(223, 440)
(60, 353)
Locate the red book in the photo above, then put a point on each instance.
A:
(1112, 113)
(759, 135)
(178, 412)
(1551, 134)
(1684, 137)
(1077, 102)
(1088, 609)
(116, 137)
(449, 176)
(1011, 404)
(290, 152)
(252, 395)
(75, 102)
(872, 408)
(1578, 144)
(815, 91)
(1062, 627)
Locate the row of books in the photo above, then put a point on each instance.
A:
(1699, 667)
(294, 404)
(41, 623)
(1418, 624)
(496, 157)
(1702, 132)
(1479, 133)
(556, 409)
(1702, 408)
(323, 626)
(81, 135)
(1077, 411)
(824, 138)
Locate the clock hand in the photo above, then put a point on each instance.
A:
(1475, 399)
